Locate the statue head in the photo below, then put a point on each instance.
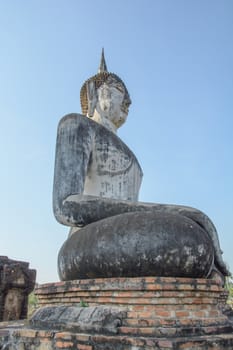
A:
(105, 96)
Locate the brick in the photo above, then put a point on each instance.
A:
(215, 288)
(190, 345)
(105, 300)
(137, 330)
(169, 286)
(46, 342)
(195, 307)
(136, 341)
(167, 322)
(198, 314)
(151, 308)
(150, 279)
(99, 338)
(64, 345)
(163, 313)
(168, 332)
(152, 294)
(214, 313)
(128, 330)
(204, 301)
(27, 333)
(132, 314)
(63, 336)
(186, 322)
(84, 347)
(138, 307)
(166, 301)
(146, 314)
(182, 314)
(187, 280)
(83, 337)
(144, 323)
(185, 287)
(214, 321)
(155, 287)
(146, 331)
(202, 287)
(124, 294)
(169, 279)
(131, 322)
(150, 342)
(165, 344)
(149, 322)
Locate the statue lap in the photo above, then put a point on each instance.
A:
(137, 244)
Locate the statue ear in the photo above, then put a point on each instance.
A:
(91, 98)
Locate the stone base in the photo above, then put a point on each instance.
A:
(155, 313)
(29, 339)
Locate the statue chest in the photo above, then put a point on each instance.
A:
(113, 170)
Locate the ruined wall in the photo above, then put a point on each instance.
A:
(16, 282)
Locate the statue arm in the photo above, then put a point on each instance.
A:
(81, 210)
(73, 151)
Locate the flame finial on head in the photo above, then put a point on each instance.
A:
(102, 66)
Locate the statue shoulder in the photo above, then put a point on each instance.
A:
(73, 126)
(73, 119)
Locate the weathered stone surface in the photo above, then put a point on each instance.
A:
(98, 319)
(98, 177)
(16, 282)
(139, 244)
(26, 340)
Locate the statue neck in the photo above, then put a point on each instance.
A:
(102, 120)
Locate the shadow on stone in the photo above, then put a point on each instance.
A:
(96, 319)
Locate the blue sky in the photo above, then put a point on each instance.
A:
(176, 59)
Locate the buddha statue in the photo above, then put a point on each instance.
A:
(96, 185)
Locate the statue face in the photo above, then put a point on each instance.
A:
(110, 103)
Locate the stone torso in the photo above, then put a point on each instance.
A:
(92, 161)
(113, 170)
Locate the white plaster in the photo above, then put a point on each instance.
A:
(119, 178)
(109, 110)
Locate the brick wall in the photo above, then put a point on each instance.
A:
(150, 301)
(162, 313)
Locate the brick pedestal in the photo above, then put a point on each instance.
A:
(156, 306)
(161, 313)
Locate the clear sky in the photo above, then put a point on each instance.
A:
(176, 59)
